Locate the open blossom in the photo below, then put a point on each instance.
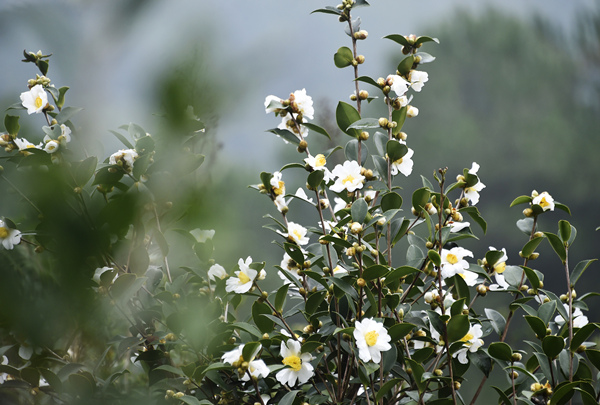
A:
(371, 339)
(299, 369)
(499, 268)
(51, 146)
(23, 144)
(256, 368)
(124, 158)
(472, 193)
(471, 341)
(348, 177)
(398, 84)
(245, 278)
(453, 261)
(277, 185)
(35, 99)
(544, 200)
(216, 271)
(9, 237)
(296, 233)
(579, 319)
(318, 163)
(417, 79)
(403, 165)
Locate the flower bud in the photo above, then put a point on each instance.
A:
(514, 374)
(361, 282)
(456, 385)
(302, 146)
(516, 357)
(412, 111)
(534, 256)
(362, 34)
(383, 122)
(381, 82)
(528, 212)
(353, 97)
(356, 228)
(363, 94)
(360, 59)
(438, 372)
(364, 135)
(482, 289)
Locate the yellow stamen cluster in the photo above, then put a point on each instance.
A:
(371, 338)
(3, 232)
(294, 362)
(452, 258)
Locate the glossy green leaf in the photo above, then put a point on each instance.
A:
(381, 166)
(399, 273)
(503, 397)
(344, 286)
(420, 198)
(250, 350)
(525, 225)
(288, 399)
(316, 128)
(351, 151)
(11, 123)
(564, 230)
(328, 10)
(579, 269)
(594, 357)
(395, 150)
(314, 301)
(315, 178)
(400, 39)
(399, 117)
(422, 39)
(537, 325)
(434, 256)
(458, 326)
(406, 65)
(546, 311)
(564, 393)
(500, 351)
(532, 277)
(281, 297)
(84, 170)
(557, 245)
(66, 114)
(581, 335)
(391, 201)
(264, 324)
(476, 216)
(123, 140)
(553, 345)
(367, 79)
(521, 200)
(285, 134)
(359, 210)
(346, 115)
(385, 388)
(375, 271)
(343, 57)
(496, 319)
(365, 123)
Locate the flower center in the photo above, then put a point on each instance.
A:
(320, 160)
(467, 337)
(452, 258)
(280, 189)
(348, 179)
(38, 102)
(3, 232)
(371, 338)
(243, 277)
(297, 234)
(398, 162)
(543, 203)
(294, 362)
(500, 267)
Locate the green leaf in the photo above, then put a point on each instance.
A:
(564, 393)
(295, 252)
(140, 165)
(314, 301)
(552, 346)
(66, 114)
(537, 325)
(288, 399)
(159, 238)
(525, 225)
(546, 311)
(84, 170)
(395, 150)
(316, 128)
(367, 79)
(399, 273)
(391, 201)
(399, 330)
(190, 400)
(385, 388)
(400, 39)
(315, 178)
(43, 66)
(492, 256)
(144, 144)
(171, 369)
(359, 210)
(344, 286)
(123, 140)
(246, 327)
(343, 57)
(557, 245)
(399, 117)
(521, 200)
(264, 324)
(564, 230)
(581, 335)
(434, 256)
(375, 271)
(61, 97)
(11, 123)
(250, 350)
(126, 285)
(281, 297)
(381, 166)
(503, 397)
(420, 198)
(458, 327)
(562, 207)
(474, 213)
(496, 319)
(406, 65)
(328, 10)
(365, 123)
(417, 373)
(532, 277)
(346, 115)
(594, 357)
(500, 351)
(423, 39)
(289, 136)
(351, 151)
(579, 269)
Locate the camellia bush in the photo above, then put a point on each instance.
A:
(355, 318)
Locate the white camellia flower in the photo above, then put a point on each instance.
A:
(277, 185)
(403, 165)
(23, 144)
(318, 163)
(296, 233)
(245, 278)
(579, 319)
(65, 132)
(9, 237)
(51, 147)
(304, 103)
(398, 84)
(417, 79)
(299, 369)
(544, 200)
(499, 267)
(371, 339)
(270, 99)
(471, 341)
(124, 158)
(348, 177)
(340, 204)
(256, 368)
(339, 271)
(412, 111)
(472, 193)
(453, 261)
(458, 226)
(470, 277)
(216, 271)
(35, 99)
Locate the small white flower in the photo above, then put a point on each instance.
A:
(545, 201)
(304, 103)
(470, 277)
(417, 79)
(299, 369)
(398, 84)
(371, 339)
(216, 271)
(499, 267)
(296, 233)
(340, 204)
(472, 341)
(472, 193)
(453, 261)
(35, 99)
(339, 271)
(9, 237)
(458, 226)
(65, 132)
(412, 111)
(318, 163)
(500, 285)
(23, 144)
(124, 158)
(403, 165)
(256, 368)
(270, 99)
(51, 147)
(245, 278)
(277, 185)
(202, 235)
(348, 177)
(579, 319)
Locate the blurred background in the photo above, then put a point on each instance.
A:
(515, 87)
